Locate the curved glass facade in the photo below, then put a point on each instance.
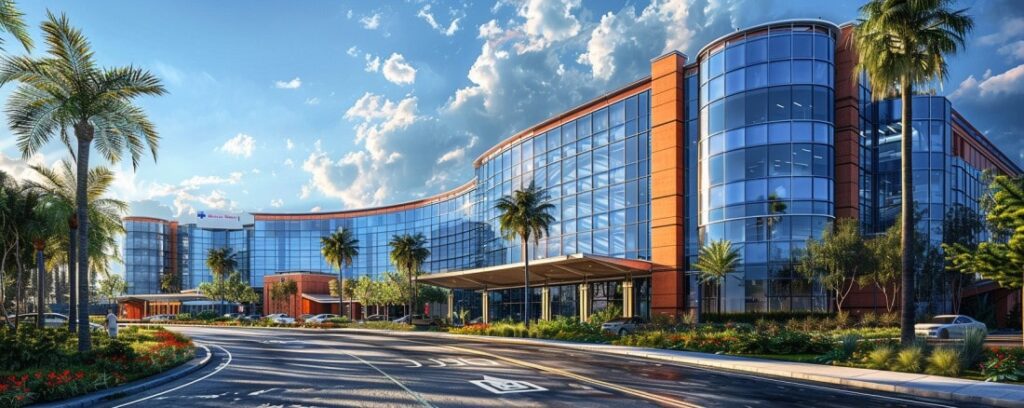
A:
(147, 254)
(766, 160)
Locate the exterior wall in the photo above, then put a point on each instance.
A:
(149, 253)
(766, 173)
(309, 283)
(196, 242)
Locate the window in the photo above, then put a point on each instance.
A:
(717, 65)
(779, 47)
(779, 73)
(716, 88)
(822, 105)
(802, 72)
(600, 121)
(802, 132)
(802, 188)
(734, 193)
(756, 76)
(735, 163)
(756, 51)
(757, 190)
(821, 162)
(802, 102)
(716, 117)
(802, 160)
(802, 46)
(756, 106)
(734, 57)
(822, 48)
(734, 112)
(734, 82)
(821, 70)
(779, 188)
(757, 135)
(756, 162)
(734, 139)
(781, 160)
(778, 103)
(715, 170)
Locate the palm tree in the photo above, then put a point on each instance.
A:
(715, 261)
(902, 44)
(408, 253)
(221, 261)
(339, 248)
(66, 90)
(525, 215)
(11, 22)
(58, 188)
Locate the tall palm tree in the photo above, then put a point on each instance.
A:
(221, 261)
(715, 261)
(525, 215)
(11, 22)
(339, 248)
(67, 90)
(408, 253)
(58, 187)
(902, 44)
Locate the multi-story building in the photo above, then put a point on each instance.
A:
(763, 139)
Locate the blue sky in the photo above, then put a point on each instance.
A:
(315, 105)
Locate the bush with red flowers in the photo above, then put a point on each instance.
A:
(44, 365)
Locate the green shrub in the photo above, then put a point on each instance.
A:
(890, 319)
(604, 315)
(841, 320)
(944, 361)
(207, 315)
(880, 357)
(972, 350)
(1003, 365)
(339, 320)
(29, 347)
(845, 348)
(869, 319)
(908, 360)
(183, 316)
(753, 317)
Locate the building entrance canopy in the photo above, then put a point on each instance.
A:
(547, 271)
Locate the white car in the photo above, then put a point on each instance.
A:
(281, 318)
(158, 318)
(50, 320)
(320, 318)
(948, 327)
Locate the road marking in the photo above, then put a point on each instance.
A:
(419, 398)
(411, 361)
(503, 386)
(321, 367)
(439, 363)
(627, 390)
(220, 368)
(476, 362)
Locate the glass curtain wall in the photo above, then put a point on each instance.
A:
(146, 255)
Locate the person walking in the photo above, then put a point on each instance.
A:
(111, 324)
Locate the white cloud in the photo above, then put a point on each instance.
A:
(1014, 50)
(427, 16)
(348, 14)
(1010, 82)
(1008, 29)
(289, 163)
(371, 22)
(547, 21)
(458, 153)
(19, 169)
(315, 209)
(198, 181)
(289, 144)
(241, 145)
(490, 30)
(313, 101)
(353, 51)
(372, 63)
(398, 71)
(295, 83)
(662, 22)
(277, 203)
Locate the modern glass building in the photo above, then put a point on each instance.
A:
(764, 139)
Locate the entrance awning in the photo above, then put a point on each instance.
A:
(547, 271)
(322, 298)
(163, 297)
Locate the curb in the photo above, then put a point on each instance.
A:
(134, 387)
(986, 392)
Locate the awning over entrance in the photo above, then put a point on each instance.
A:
(163, 297)
(547, 271)
(322, 298)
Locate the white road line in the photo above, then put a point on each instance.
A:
(416, 395)
(412, 361)
(221, 367)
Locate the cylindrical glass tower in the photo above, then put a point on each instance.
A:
(766, 158)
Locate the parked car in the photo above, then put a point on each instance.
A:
(158, 318)
(252, 318)
(420, 320)
(304, 317)
(478, 320)
(320, 318)
(233, 316)
(623, 325)
(281, 318)
(948, 326)
(375, 318)
(50, 320)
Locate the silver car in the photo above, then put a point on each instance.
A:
(623, 325)
(280, 318)
(948, 327)
(320, 318)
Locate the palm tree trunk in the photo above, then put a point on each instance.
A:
(907, 222)
(84, 134)
(19, 292)
(696, 318)
(40, 284)
(526, 283)
(72, 276)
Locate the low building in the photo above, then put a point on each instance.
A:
(312, 295)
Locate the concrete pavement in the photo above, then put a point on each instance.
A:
(312, 368)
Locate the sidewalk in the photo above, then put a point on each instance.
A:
(920, 385)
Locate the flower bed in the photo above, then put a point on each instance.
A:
(44, 365)
(558, 329)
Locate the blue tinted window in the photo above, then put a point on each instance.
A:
(780, 158)
(822, 50)
(755, 164)
(756, 106)
(802, 46)
(735, 163)
(802, 132)
(715, 170)
(756, 76)
(779, 73)
(716, 88)
(734, 82)
(779, 46)
(617, 113)
(757, 135)
(734, 57)
(600, 119)
(716, 117)
(717, 66)
(802, 188)
(583, 126)
(821, 70)
(757, 51)
(778, 103)
(778, 132)
(802, 72)
(779, 188)
(734, 111)
(757, 190)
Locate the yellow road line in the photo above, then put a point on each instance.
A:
(604, 384)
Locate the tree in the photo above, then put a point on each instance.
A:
(1000, 260)
(838, 259)
(902, 44)
(339, 249)
(715, 261)
(237, 290)
(961, 226)
(221, 261)
(283, 291)
(525, 215)
(408, 253)
(886, 253)
(111, 287)
(58, 188)
(66, 90)
(363, 291)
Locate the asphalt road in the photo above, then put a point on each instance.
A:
(293, 368)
